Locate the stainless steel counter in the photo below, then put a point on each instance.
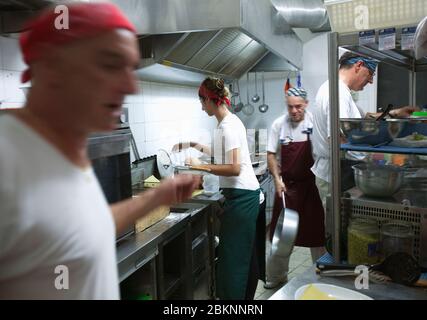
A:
(389, 291)
(137, 249)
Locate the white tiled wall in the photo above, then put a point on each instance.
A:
(11, 67)
(160, 114)
(163, 114)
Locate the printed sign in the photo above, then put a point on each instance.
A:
(366, 37)
(387, 39)
(408, 38)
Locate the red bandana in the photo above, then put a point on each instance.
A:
(205, 92)
(85, 20)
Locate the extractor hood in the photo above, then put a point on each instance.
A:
(185, 40)
(14, 13)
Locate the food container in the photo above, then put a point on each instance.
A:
(378, 180)
(396, 236)
(370, 131)
(373, 132)
(363, 241)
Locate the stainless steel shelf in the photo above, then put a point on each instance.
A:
(383, 149)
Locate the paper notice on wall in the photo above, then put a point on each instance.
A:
(408, 38)
(387, 39)
(366, 37)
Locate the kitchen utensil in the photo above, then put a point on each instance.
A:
(264, 107)
(256, 97)
(321, 291)
(164, 164)
(400, 267)
(248, 109)
(240, 105)
(167, 168)
(285, 232)
(232, 92)
(378, 181)
(385, 112)
(137, 170)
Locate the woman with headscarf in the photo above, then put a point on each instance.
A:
(236, 274)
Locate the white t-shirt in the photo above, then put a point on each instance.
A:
(52, 214)
(231, 134)
(321, 125)
(283, 130)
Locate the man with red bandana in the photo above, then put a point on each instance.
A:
(53, 214)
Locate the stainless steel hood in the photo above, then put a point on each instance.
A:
(14, 13)
(225, 38)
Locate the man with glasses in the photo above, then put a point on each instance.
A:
(355, 72)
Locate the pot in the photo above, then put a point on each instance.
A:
(378, 181)
(285, 232)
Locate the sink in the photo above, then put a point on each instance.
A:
(188, 208)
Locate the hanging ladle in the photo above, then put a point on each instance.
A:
(256, 98)
(238, 107)
(248, 109)
(264, 107)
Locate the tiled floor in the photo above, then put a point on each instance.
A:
(299, 262)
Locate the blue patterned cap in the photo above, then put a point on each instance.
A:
(369, 63)
(297, 92)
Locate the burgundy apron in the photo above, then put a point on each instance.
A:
(302, 194)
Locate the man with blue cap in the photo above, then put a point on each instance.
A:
(355, 72)
(290, 137)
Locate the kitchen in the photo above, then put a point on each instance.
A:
(166, 109)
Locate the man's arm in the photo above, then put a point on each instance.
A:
(273, 166)
(403, 112)
(169, 192)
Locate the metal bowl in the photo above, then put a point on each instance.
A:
(378, 181)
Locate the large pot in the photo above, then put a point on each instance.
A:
(378, 181)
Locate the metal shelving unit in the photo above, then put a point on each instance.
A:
(357, 204)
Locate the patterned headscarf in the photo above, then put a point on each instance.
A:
(369, 63)
(297, 92)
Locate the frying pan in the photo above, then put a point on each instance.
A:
(285, 232)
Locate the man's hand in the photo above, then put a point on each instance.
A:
(177, 189)
(280, 187)
(403, 112)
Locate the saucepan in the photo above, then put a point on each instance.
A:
(285, 232)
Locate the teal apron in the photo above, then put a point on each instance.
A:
(236, 242)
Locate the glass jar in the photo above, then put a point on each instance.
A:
(363, 237)
(396, 236)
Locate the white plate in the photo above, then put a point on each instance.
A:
(335, 292)
(164, 164)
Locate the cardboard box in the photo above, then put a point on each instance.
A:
(151, 218)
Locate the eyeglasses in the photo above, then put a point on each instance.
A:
(371, 73)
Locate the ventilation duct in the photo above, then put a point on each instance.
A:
(309, 14)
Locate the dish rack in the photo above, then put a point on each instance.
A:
(386, 210)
